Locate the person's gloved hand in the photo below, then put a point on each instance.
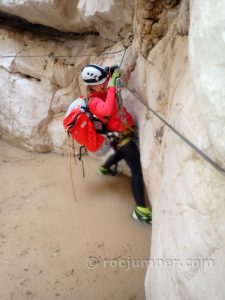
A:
(115, 75)
(113, 68)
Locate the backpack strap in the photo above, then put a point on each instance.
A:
(100, 127)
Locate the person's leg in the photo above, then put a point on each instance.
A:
(105, 169)
(112, 160)
(131, 154)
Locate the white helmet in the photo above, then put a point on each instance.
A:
(94, 74)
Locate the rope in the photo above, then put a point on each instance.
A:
(51, 55)
(188, 142)
(70, 168)
(125, 50)
(74, 153)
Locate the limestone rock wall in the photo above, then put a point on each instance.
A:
(48, 63)
(177, 68)
(111, 18)
(187, 194)
(207, 63)
(39, 78)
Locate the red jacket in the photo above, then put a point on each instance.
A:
(104, 107)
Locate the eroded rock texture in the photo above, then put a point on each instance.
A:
(176, 65)
(39, 78)
(187, 194)
(111, 18)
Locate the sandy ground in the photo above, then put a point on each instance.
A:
(52, 247)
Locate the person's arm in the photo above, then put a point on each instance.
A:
(105, 108)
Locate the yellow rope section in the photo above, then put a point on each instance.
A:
(70, 169)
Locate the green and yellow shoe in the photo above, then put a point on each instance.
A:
(142, 214)
(106, 171)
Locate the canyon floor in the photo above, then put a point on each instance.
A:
(53, 247)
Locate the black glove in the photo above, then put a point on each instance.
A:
(113, 68)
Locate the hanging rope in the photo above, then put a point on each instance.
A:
(70, 168)
(125, 51)
(52, 55)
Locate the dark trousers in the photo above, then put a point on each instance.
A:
(130, 153)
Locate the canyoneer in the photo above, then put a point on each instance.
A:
(103, 104)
